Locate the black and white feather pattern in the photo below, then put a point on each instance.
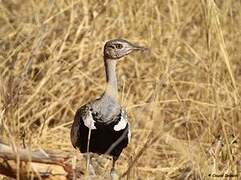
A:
(106, 138)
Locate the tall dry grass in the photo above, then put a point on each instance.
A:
(183, 98)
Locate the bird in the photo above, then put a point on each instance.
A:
(101, 126)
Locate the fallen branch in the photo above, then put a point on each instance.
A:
(36, 164)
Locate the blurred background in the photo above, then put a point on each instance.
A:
(182, 97)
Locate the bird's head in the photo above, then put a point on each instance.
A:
(118, 48)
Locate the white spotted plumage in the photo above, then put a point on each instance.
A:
(122, 123)
(89, 121)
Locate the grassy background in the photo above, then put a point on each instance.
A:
(183, 98)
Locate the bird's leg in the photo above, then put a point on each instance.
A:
(90, 168)
(89, 156)
(113, 173)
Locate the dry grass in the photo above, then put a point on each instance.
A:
(183, 98)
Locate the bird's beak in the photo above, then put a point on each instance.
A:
(134, 48)
(139, 48)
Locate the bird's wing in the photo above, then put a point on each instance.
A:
(122, 121)
(83, 115)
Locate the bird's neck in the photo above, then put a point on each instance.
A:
(111, 80)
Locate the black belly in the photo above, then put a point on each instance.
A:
(103, 140)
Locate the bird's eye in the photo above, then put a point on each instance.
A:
(119, 46)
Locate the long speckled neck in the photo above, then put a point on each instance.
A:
(108, 105)
(111, 80)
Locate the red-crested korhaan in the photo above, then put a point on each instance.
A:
(101, 126)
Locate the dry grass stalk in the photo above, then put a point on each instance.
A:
(186, 91)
